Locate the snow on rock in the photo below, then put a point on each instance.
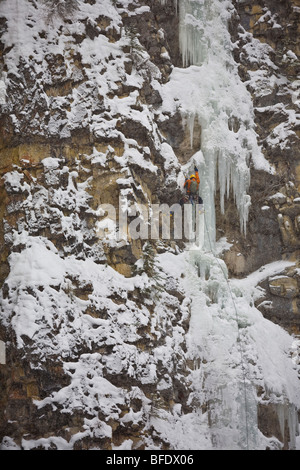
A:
(180, 358)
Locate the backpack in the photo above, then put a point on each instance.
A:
(193, 187)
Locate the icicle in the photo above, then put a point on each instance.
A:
(293, 425)
(287, 414)
(191, 124)
(2, 92)
(191, 32)
(163, 2)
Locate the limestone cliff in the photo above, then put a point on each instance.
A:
(272, 79)
(97, 328)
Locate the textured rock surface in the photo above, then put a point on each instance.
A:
(273, 230)
(78, 133)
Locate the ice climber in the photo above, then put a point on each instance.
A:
(191, 186)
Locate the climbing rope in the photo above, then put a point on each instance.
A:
(238, 329)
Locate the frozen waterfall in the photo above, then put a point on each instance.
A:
(227, 332)
(220, 102)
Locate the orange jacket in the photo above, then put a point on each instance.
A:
(188, 181)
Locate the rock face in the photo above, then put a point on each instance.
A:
(82, 131)
(271, 77)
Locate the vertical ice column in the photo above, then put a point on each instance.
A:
(288, 422)
(163, 2)
(2, 92)
(191, 33)
(223, 108)
(224, 382)
(221, 103)
(2, 353)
